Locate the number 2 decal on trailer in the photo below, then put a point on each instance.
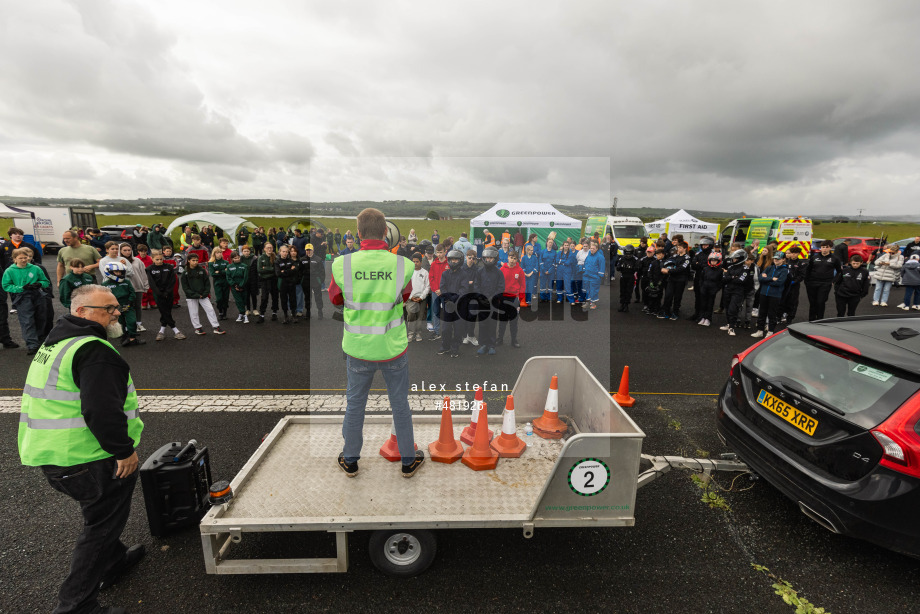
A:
(589, 477)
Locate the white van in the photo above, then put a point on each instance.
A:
(625, 230)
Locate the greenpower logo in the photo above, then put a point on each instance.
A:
(520, 223)
(486, 223)
(551, 224)
(503, 213)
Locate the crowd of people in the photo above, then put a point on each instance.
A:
(279, 271)
(760, 288)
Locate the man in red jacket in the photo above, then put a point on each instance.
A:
(437, 268)
(514, 288)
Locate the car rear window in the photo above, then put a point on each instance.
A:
(874, 242)
(865, 392)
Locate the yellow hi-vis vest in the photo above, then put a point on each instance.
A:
(372, 282)
(51, 426)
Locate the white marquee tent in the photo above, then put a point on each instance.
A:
(682, 223)
(230, 224)
(541, 219)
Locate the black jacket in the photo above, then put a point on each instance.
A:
(162, 280)
(102, 377)
(287, 271)
(739, 277)
(490, 282)
(852, 282)
(627, 265)
(678, 268)
(821, 269)
(797, 269)
(710, 278)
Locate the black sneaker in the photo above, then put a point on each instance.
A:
(443, 351)
(132, 557)
(199, 331)
(350, 469)
(515, 344)
(9, 344)
(274, 316)
(434, 337)
(219, 331)
(409, 470)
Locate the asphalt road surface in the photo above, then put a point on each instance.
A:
(682, 556)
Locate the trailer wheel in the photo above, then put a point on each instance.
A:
(403, 553)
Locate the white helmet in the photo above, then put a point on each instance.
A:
(109, 272)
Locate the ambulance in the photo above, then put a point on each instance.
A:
(625, 230)
(786, 231)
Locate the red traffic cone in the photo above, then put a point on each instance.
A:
(508, 444)
(446, 449)
(549, 426)
(468, 434)
(622, 396)
(481, 457)
(390, 449)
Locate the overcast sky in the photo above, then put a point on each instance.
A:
(770, 107)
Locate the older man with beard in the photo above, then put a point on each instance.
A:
(80, 425)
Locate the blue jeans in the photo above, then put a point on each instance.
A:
(300, 299)
(911, 295)
(436, 313)
(360, 376)
(882, 290)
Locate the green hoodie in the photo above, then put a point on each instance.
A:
(14, 278)
(195, 282)
(218, 271)
(70, 283)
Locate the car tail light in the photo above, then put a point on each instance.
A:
(837, 345)
(899, 439)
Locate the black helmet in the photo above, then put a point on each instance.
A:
(629, 250)
(455, 258)
(489, 256)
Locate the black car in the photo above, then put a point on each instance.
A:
(828, 412)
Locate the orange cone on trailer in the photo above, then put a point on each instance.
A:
(549, 426)
(622, 396)
(480, 456)
(446, 449)
(390, 449)
(468, 434)
(508, 444)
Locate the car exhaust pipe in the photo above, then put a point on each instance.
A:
(821, 520)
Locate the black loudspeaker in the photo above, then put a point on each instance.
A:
(176, 479)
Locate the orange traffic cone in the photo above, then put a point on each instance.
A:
(480, 456)
(549, 426)
(468, 434)
(508, 444)
(622, 396)
(390, 449)
(446, 449)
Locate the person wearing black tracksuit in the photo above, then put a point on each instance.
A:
(709, 280)
(738, 280)
(797, 266)
(452, 325)
(697, 264)
(287, 270)
(652, 278)
(820, 273)
(313, 275)
(162, 278)
(677, 271)
(627, 265)
(851, 285)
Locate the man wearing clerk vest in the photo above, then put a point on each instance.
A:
(80, 424)
(373, 284)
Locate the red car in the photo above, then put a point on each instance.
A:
(867, 247)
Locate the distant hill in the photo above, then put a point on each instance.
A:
(393, 208)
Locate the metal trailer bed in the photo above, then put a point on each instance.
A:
(588, 478)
